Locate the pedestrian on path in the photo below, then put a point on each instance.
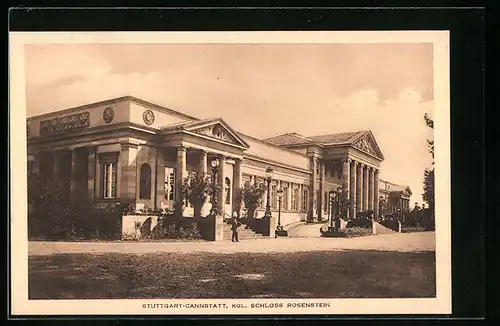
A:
(234, 227)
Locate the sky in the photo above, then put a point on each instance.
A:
(259, 89)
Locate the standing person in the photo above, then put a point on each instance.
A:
(234, 227)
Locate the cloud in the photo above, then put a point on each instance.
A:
(261, 92)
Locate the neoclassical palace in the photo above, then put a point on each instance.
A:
(131, 151)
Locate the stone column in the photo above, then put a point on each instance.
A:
(237, 180)
(221, 203)
(346, 179)
(203, 165)
(299, 198)
(353, 188)
(203, 170)
(289, 190)
(180, 174)
(160, 178)
(320, 207)
(371, 191)
(74, 176)
(91, 174)
(312, 190)
(365, 187)
(376, 192)
(127, 174)
(359, 188)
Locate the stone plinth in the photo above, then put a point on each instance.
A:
(270, 226)
(214, 225)
(136, 227)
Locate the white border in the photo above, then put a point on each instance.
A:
(19, 242)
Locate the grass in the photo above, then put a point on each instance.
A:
(345, 274)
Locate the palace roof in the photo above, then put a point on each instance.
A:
(290, 139)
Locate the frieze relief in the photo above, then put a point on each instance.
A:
(216, 131)
(366, 145)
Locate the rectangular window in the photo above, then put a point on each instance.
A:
(305, 200)
(284, 200)
(109, 180)
(169, 184)
(274, 199)
(295, 195)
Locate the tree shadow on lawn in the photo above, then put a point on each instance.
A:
(341, 274)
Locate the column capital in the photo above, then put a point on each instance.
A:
(345, 160)
(362, 165)
(128, 145)
(181, 148)
(355, 163)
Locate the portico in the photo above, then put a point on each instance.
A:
(347, 161)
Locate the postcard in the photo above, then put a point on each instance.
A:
(230, 173)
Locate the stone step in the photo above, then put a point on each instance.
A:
(243, 234)
(248, 237)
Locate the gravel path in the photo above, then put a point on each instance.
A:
(402, 242)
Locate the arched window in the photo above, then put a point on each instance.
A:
(228, 191)
(145, 186)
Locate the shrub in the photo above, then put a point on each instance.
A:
(252, 196)
(408, 229)
(173, 227)
(346, 232)
(390, 224)
(69, 221)
(355, 232)
(359, 223)
(366, 215)
(196, 188)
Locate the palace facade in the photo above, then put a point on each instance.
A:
(396, 196)
(131, 151)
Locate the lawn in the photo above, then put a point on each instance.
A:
(326, 274)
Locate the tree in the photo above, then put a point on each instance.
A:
(196, 188)
(428, 188)
(252, 196)
(428, 194)
(430, 123)
(345, 204)
(382, 208)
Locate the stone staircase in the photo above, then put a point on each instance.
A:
(383, 230)
(243, 234)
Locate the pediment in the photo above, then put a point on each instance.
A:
(368, 145)
(407, 191)
(219, 131)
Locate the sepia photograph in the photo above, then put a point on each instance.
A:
(231, 173)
